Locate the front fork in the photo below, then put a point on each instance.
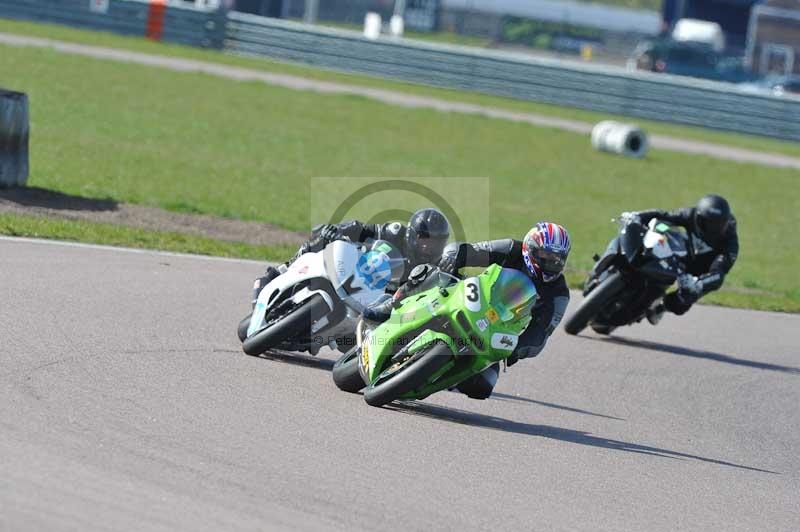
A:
(601, 265)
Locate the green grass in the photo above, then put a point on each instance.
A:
(114, 235)
(245, 150)
(145, 46)
(653, 5)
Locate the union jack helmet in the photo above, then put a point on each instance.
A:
(545, 250)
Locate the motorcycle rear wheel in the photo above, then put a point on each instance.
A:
(596, 301)
(297, 322)
(409, 378)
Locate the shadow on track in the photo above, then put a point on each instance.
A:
(297, 359)
(50, 199)
(474, 419)
(507, 397)
(693, 353)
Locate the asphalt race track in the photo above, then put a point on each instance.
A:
(127, 404)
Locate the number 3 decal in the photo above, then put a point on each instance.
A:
(472, 294)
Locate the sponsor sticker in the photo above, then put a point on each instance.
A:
(374, 268)
(504, 341)
(492, 315)
(482, 324)
(365, 356)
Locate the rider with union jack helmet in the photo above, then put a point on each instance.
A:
(542, 255)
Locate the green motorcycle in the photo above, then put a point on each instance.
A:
(436, 338)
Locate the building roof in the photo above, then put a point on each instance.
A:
(620, 19)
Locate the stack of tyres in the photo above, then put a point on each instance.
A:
(14, 131)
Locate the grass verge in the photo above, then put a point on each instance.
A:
(63, 33)
(115, 235)
(197, 143)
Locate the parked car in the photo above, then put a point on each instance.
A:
(778, 85)
(686, 58)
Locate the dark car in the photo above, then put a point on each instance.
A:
(681, 58)
(775, 84)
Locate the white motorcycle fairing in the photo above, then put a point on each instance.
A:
(356, 276)
(661, 242)
(307, 266)
(347, 274)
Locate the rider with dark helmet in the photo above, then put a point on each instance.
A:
(712, 250)
(421, 241)
(541, 255)
(426, 235)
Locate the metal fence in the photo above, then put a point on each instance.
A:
(607, 89)
(174, 22)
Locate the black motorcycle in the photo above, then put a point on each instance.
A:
(636, 269)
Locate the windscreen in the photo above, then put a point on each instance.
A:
(513, 295)
(385, 259)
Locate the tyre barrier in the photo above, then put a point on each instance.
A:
(14, 131)
(623, 139)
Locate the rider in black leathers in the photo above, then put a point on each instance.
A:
(712, 251)
(420, 241)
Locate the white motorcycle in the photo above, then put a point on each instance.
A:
(318, 300)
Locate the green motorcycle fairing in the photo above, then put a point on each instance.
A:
(479, 318)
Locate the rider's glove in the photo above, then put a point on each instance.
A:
(690, 288)
(379, 312)
(690, 284)
(450, 260)
(629, 217)
(330, 232)
(415, 279)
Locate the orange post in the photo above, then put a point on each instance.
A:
(155, 19)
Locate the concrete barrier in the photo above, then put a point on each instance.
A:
(14, 132)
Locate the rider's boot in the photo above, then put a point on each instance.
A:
(271, 273)
(655, 313)
(480, 386)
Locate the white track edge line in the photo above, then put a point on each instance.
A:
(140, 251)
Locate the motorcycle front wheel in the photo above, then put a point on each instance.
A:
(408, 377)
(241, 331)
(596, 301)
(345, 372)
(295, 323)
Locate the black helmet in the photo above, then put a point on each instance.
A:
(712, 217)
(426, 236)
